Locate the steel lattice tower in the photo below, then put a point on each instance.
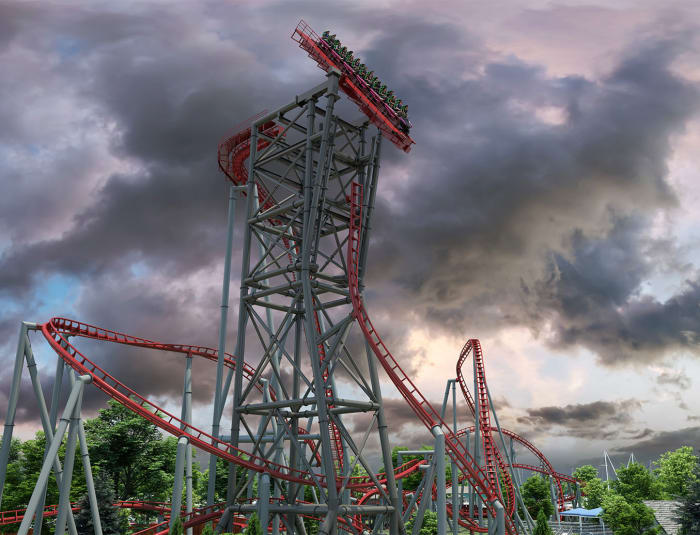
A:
(295, 314)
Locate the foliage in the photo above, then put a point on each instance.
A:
(253, 527)
(635, 483)
(411, 481)
(201, 480)
(429, 527)
(537, 496)
(594, 490)
(25, 461)
(176, 528)
(358, 469)
(627, 518)
(542, 527)
(586, 473)
(675, 472)
(133, 452)
(689, 509)
(109, 515)
(208, 529)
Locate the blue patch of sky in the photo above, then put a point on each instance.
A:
(140, 270)
(68, 46)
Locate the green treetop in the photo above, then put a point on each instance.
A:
(585, 473)
(676, 471)
(635, 483)
(627, 518)
(689, 509)
(594, 492)
(542, 527)
(537, 497)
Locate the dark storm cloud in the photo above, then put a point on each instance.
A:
(505, 191)
(600, 419)
(594, 299)
(662, 441)
(27, 404)
(500, 216)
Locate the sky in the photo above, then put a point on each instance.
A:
(548, 206)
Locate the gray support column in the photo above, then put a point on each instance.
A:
(311, 200)
(264, 501)
(553, 495)
(64, 505)
(48, 422)
(12, 407)
(274, 383)
(55, 400)
(399, 484)
(454, 480)
(87, 470)
(52, 454)
(90, 484)
(187, 418)
(578, 495)
(439, 460)
(499, 524)
(219, 396)
(176, 502)
(242, 322)
(395, 521)
(424, 499)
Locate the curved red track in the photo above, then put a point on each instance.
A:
(233, 153)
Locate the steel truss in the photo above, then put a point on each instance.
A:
(295, 316)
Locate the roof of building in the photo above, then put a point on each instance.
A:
(665, 513)
(590, 513)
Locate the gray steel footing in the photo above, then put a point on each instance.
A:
(76, 391)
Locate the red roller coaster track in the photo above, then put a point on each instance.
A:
(232, 155)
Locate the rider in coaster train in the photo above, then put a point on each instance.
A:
(369, 76)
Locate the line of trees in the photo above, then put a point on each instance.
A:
(131, 459)
(676, 477)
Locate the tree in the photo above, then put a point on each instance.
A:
(109, 515)
(24, 465)
(537, 497)
(675, 472)
(411, 481)
(635, 483)
(138, 459)
(253, 527)
(542, 527)
(586, 473)
(429, 526)
(689, 509)
(626, 518)
(176, 528)
(594, 490)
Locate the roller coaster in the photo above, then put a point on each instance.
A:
(306, 364)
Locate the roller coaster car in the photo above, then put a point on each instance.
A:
(359, 83)
(369, 83)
